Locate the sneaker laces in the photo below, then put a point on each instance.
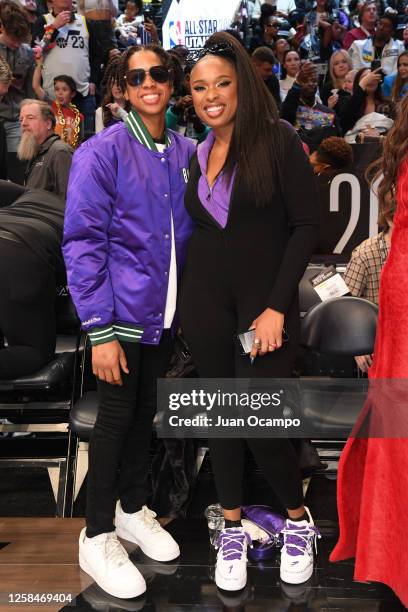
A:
(230, 542)
(113, 550)
(298, 539)
(148, 517)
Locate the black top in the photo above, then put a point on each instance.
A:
(265, 249)
(36, 218)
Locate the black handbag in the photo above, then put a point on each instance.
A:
(181, 364)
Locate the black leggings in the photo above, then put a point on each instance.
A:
(121, 438)
(209, 326)
(27, 310)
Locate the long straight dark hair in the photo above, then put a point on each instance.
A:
(256, 144)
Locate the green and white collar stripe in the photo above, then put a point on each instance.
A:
(139, 131)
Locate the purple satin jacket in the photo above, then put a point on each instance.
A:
(117, 234)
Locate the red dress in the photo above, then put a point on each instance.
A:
(372, 492)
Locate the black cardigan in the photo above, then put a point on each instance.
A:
(352, 111)
(265, 249)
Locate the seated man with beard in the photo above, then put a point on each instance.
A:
(49, 158)
(31, 266)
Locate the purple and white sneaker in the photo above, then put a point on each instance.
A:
(231, 568)
(299, 538)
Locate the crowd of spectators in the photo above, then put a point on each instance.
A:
(334, 67)
(337, 70)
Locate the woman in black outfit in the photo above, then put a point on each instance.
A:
(252, 196)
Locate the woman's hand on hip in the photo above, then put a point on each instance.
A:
(268, 332)
(108, 360)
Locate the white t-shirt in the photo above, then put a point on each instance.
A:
(285, 6)
(171, 300)
(70, 56)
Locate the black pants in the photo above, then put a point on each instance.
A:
(209, 320)
(119, 450)
(27, 310)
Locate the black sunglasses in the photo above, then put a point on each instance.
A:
(221, 49)
(137, 76)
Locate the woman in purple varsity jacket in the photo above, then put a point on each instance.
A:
(125, 237)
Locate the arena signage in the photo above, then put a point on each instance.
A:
(191, 22)
(348, 207)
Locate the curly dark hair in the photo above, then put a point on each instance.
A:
(336, 152)
(13, 19)
(112, 76)
(386, 169)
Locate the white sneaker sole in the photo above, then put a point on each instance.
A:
(122, 593)
(153, 553)
(230, 585)
(296, 577)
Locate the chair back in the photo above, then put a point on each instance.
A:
(341, 326)
(67, 321)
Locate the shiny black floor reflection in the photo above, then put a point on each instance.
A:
(187, 584)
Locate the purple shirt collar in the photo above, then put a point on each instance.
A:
(216, 200)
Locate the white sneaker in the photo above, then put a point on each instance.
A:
(143, 529)
(297, 552)
(231, 568)
(107, 562)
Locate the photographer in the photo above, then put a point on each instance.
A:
(70, 49)
(366, 112)
(313, 120)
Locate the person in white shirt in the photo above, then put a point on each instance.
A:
(291, 65)
(382, 46)
(284, 7)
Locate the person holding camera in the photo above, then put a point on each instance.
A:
(69, 49)
(366, 113)
(382, 47)
(313, 120)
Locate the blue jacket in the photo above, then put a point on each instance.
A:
(117, 234)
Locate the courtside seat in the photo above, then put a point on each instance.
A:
(82, 417)
(341, 326)
(60, 369)
(337, 328)
(39, 403)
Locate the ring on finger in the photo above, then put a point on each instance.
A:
(257, 341)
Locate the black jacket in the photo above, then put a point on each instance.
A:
(50, 168)
(262, 252)
(36, 217)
